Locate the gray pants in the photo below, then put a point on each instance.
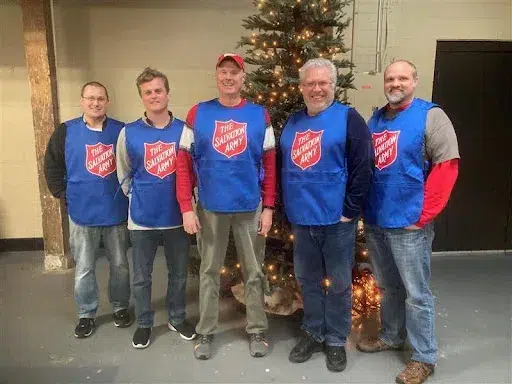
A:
(212, 242)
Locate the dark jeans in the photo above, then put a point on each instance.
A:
(176, 247)
(320, 252)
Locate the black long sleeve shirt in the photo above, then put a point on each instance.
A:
(55, 162)
(359, 155)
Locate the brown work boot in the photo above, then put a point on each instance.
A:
(415, 372)
(374, 344)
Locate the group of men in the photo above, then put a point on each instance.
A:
(217, 171)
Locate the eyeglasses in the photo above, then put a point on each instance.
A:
(313, 84)
(92, 99)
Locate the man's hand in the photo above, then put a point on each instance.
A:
(345, 219)
(265, 222)
(191, 223)
(412, 227)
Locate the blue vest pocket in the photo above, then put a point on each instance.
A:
(314, 198)
(228, 186)
(152, 205)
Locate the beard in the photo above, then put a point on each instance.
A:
(315, 108)
(395, 96)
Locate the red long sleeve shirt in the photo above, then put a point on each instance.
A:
(438, 187)
(186, 178)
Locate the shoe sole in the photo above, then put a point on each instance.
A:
(398, 380)
(170, 326)
(295, 360)
(258, 354)
(119, 325)
(141, 346)
(85, 335)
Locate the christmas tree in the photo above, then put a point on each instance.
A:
(285, 34)
(290, 32)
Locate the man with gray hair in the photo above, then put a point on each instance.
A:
(416, 166)
(326, 172)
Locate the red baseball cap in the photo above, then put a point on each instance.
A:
(233, 56)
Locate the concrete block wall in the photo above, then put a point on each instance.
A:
(112, 41)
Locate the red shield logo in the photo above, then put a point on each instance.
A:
(100, 159)
(307, 148)
(230, 137)
(385, 145)
(160, 158)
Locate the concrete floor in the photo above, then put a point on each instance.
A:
(37, 318)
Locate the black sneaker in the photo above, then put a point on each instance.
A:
(84, 328)
(336, 358)
(304, 349)
(185, 329)
(141, 338)
(122, 318)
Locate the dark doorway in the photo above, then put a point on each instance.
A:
(473, 84)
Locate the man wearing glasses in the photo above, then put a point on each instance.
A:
(80, 167)
(326, 171)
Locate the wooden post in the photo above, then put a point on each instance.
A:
(40, 57)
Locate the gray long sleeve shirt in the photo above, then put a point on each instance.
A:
(124, 171)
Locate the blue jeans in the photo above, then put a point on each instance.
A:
(401, 260)
(321, 252)
(176, 248)
(85, 244)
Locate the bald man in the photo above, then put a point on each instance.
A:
(416, 166)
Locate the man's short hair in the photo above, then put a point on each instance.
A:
(411, 64)
(94, 84)
(149, 74)
(320, 62)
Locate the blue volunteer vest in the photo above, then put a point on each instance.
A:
(227, 153)
(395, 199)
(92, 190)
(153, 157)
(313, 173)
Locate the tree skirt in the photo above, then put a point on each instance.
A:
(282, 301)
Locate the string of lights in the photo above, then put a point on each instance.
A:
(283, 35)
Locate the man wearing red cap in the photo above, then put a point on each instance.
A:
(227, 150)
